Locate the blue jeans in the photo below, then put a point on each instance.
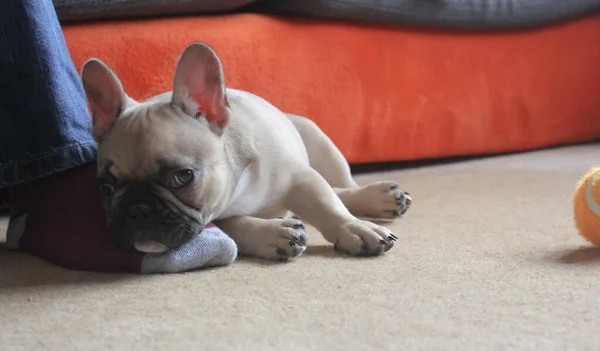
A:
(45, 126)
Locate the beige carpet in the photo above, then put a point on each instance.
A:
(488, 260)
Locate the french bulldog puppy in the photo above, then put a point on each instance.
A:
(204, 153)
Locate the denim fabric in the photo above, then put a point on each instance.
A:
(45, 126)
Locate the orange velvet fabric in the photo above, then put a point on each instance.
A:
(381, 93)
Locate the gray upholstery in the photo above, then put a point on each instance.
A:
(465, 14)
(78, 10)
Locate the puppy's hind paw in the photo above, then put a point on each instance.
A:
(379, 200)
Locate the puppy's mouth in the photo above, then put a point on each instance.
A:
(164, 227)
(154, 236)
(150, 246)
(146, 245)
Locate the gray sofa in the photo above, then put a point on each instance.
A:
(463, 14)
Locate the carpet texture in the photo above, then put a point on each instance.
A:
(488, 259)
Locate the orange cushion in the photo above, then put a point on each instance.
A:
(381, 93)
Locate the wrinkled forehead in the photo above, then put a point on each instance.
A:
(152, 170)
(146, 142)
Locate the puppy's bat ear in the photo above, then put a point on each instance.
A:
(105, 94)
(199, 87)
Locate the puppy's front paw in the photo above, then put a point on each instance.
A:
(282, 239)
(363, 238)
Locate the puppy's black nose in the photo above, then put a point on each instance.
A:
(139, 211)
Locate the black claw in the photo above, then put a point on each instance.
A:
(300, 239)
(280, 251)
(406, 207)
(388, 247)
(382, 242)
(393, 236)
(296, 251)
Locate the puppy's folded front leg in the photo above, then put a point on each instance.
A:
(272, 239)
(313, 200)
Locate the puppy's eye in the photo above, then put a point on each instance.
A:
(182, 178)
(106, 188)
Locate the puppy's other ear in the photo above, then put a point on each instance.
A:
(199, 87)
(105, 94)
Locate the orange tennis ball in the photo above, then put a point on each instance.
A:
(586, 206)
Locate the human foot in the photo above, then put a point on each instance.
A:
(60, 219)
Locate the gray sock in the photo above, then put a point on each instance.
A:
(211, 248)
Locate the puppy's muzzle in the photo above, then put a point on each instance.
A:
(149, 223)
(139, 212)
